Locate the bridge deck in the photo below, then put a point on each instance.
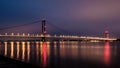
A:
(38, 37)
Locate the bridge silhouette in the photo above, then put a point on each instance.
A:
(44, 36)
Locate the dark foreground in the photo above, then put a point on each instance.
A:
(11, 63)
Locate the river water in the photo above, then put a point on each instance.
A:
(64, 54)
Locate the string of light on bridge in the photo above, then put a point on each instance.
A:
(18, 35)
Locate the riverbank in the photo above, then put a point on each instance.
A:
(11, 63)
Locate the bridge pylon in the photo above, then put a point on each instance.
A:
(43, 29)
(106, 34)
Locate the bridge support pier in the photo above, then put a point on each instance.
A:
(106, 34)
(44, 30)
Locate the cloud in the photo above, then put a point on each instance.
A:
(78, 15)
(98, 10)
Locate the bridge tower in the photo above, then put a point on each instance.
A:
(43, 29)
(106, 34)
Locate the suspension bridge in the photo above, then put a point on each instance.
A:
(44, 36)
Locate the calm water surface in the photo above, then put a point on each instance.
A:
(64, 54)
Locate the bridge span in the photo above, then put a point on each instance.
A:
(44, 36)
(23, 36)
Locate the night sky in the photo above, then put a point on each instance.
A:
(82, 17)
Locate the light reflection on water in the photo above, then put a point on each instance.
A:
(23, 51)
(18, 49)
(12, 49)
(45, 54)
(107, 53)
(5, 52)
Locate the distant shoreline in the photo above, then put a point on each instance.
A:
(118, 40)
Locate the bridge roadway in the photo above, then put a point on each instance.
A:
(66, 37)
